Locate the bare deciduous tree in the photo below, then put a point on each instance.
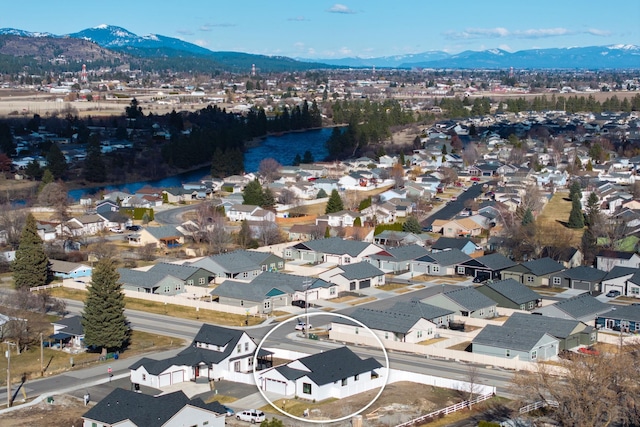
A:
(287, 197)
(269, 233)
(12, 221)
(55, 195)
(470, 154)
(216, 234)
(268, 169)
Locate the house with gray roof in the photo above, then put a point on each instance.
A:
(189, 274)
(216, 352)
(331, 250)
(271, 290)
(583, 307)
(607, 259)
(337, 373)
(410, 322)
(354, 277)
(442, 263)
(466, 302)
(584, 278)
(510, 293)
(533, 273)
(620, 318)
(487, 266)
(625, 280)
(150, 282)
(464, 244)
(127, 408)
(570, 333)
(69, 270)
(393, 238)
(529, 345)
(396, 259)
(239, 265)
(69, 332)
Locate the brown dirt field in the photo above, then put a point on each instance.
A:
(65, 411)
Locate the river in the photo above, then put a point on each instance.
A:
(282, 148)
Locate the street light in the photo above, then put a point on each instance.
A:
(8, 355)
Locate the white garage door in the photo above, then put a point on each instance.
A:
(275, 386)
(177, 377)
(165, 380)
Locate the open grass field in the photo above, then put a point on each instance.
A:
(555, 215)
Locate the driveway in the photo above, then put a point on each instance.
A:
(453, 208)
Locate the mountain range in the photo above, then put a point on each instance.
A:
(158, 46)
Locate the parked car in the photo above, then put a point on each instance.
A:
(454, 198)
(613, 294)
(301, 326)
(588, 350)
(133, 227)
(428, 229)
(300, 303)
(252, 415)
(115, 230)
(481, 277)
(230, 412)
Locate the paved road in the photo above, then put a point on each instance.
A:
(453, 208)
(173, 216)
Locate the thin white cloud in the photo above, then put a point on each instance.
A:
(210, 27)
(532, 33)
(345, 51)
(185, 32)
(298, 19)
(340, 8)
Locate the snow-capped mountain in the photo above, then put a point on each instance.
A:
(118, 38)
(383, 61)
(23, 33)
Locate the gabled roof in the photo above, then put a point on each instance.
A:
(445, 258)
(493, 262)
(509, 338)
(163, 231)
(556, 327)
(469, 298)
(584, 273)
(628, 312)
(608, 253)
(334, 246)
(58, 266)
(559, 254)
(582, 305)
(72, 325)
(619, 271)
(266, 285)
(181, 271)
(543, 266)
(400, 253)
(444, 243)
(144, 409)
(360, 270)
(513, 291)
(335, 365)
(142, 279)
(234, 262)
(400, 318)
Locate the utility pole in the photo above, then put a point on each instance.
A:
(8, 354)
(306, 284)
(41, 356)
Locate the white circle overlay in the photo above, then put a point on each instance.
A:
(304, 316)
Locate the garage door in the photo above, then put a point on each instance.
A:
(177, 377)
(276, 386)
(365, 283)
(584, 286)
(165, 380)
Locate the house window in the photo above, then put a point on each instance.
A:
(178, 286)
(419, 334)
(635, 291)
(386, 335)
(352, 286)
(280, 264)
(246, 346)
(508, 353)
(250, 361)
(357, 377)
(521, 306)
(529, 279)
(167, 289)
(245, 274)
(190, 282)
(239, 348)
(530, 305)
(357, 331)
(435, 269)
(347, 260)
(264, 268)
(241, 303)
(344, 382)
(201, 281)
(481, 312)
(306, 388)
(460, 270)
(534, 355)
(332, 291)
(557, 281)
(267, 305)
(144, 377)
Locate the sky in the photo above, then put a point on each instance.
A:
(364, 28)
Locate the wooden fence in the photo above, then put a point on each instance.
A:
(445, 411)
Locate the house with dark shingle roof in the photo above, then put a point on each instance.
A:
(410, 322)
(215, 353)
(393, 238)
(396, 259)
(583, 307)
(567, 256)
(332, 250)
(270, 290)
(465, 245)
(466, 302)
(69, 331)
(624, 318)
(239, 265)
(527, 344)
(488, 266)
(625, 280)
(607, 259)
(570, 333)
(533, 273)
(336, 373)
(189, 274)
(354, 277)
(510, 293)
(442, 263)
(127, 408)
(150, 282)
(584, 278)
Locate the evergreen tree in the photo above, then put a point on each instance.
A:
(576, 218)
(527, 218)
(444, 149)
(588, 246)
(411, 225)
(103, 320)
(244, 235)
(56, 162)
(335, 203)
(592, 209)
(357, 222)
(47, 178)
(94, 167)
(308, 157)
(31, 266)
(268, 199)
(402, 160)
(253, 194)
(7, 145)
(321, 194)
(575, 190)
(327, 232)
(33, 170)
(297, 160)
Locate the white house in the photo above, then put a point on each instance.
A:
(250, 213)
(353, 277)
(308, 377)
(625, 280)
